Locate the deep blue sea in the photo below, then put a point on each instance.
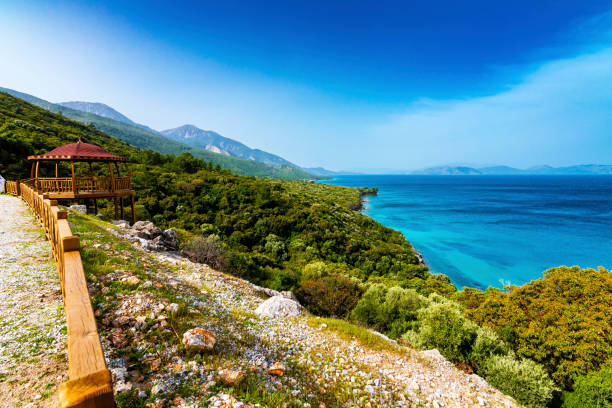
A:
(485, 230)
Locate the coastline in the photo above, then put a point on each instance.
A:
(363, 199)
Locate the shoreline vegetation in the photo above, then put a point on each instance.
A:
(310, 238)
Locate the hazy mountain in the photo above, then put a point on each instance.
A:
(320, 171)
(506, 170)
(98, 109)
(501, 170)
(448, 171)
(214, 142)
(145, 138)
(103, 110)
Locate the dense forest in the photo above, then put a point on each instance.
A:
(547, 343)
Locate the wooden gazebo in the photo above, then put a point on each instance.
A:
(115, 186)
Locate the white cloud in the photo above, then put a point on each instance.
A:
(559, 114)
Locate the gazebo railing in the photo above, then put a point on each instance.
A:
(93, 184)
(83, 184)
(123, 183)
(54, 184)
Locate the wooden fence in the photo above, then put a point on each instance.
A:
(90, 383)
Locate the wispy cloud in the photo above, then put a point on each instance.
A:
(560, 113)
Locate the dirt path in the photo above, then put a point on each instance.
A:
(32, 325)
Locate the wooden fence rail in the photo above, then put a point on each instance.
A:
(90, 382)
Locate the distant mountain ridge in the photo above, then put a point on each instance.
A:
(144, 137)
(584, 169)
(99, 109)
(214, 142)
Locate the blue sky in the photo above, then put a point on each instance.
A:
(349, 85)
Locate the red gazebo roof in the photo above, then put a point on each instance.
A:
(78, 151)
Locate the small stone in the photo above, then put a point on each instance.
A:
(277, 369)
(199, 339)
(155, 364)
(78, 208)
(118, 338)
(133, 280)
(231, 377)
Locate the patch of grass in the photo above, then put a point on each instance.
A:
(349, 331)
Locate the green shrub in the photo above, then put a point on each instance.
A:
(314, 270)
(592, 390)
(275, 246)
(399, 310)
(485, 345)
(443, 327)
(391, 311)
(331, 295)
(523, 379)
(207, 250)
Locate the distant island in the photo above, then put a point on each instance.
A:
(582, 169)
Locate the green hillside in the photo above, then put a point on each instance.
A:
(145, 139)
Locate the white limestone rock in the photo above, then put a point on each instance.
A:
(279, 306)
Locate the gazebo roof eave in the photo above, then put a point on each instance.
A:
(78, 158)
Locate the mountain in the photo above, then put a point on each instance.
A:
(320, 171)
(214, 142)
(581, 169)
(103, 110)
(99, 109)
(448, 171)
(142, 137)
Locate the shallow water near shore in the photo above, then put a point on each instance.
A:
(485, 230)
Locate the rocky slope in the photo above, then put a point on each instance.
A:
(266, 352)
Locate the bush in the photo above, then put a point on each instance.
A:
(367, 310)
(444, 327)
(207, 250)
(399, 310)
(392, 311)
(487, 344)
(525, 380)
(331, 295)
(592, 390)
(275, 246)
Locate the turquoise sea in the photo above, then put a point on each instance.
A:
(485, 230)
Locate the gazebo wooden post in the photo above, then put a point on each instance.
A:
(36, 175)
(95, 202)
(74, 186)
(112, 187)
(32, 170)
(121, 205)
(56, 172)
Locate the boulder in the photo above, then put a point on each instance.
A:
(145, 229)
(279, 306)
(199, 339)
(78, 208)
(277, 369)
(170, 239)
(121, 223)
(100, 216)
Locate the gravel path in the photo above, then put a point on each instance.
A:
(32, 325)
